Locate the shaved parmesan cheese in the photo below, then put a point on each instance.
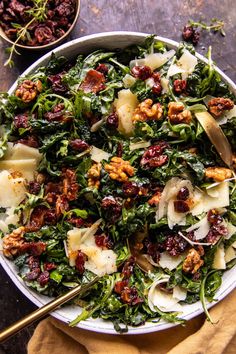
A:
(219, 258)
(98, 155)
(230, 113)
(22, 152)
(203, 202)
(99, 261)
(25, 167)
(162, 300)
(231, 230)
(169, 262)
(96, 125)
(185, 65)
(201, 228)
(125, 106)
(234, 244)
(230, 254)
(174, 69)
(139, 145)
(12, 190)
(154, 60)
(165, 85)
(129, 80)
(179, 293)
(166, 205)
(187, 62)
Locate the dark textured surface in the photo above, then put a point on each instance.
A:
(165, 18)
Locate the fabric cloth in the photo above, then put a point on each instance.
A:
(198, 336)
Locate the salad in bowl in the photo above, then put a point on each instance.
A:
(106, 171)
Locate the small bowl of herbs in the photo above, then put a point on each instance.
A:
(36, 25)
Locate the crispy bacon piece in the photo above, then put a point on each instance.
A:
(70, 185)
(93, 82)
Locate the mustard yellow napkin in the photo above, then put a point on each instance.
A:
(197, 337)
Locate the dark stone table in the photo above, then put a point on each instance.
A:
(165, 18)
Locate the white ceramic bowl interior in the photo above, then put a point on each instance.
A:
(110, 40)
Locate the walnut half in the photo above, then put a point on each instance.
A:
(219, 174)
(193, 260)
(147, 110)
(94, 175)
(177, 113)
(13, 242)
(119, 169)
(28, 90)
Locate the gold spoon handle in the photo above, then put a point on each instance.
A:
(44, 310)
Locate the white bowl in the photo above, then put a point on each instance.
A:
(111, 40)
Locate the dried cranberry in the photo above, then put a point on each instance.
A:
(190, 34)
(153, 250)
(181, 206)
(34, 187)
(215, 233)
(17, 7)
(49, 266)
(57, 85)
(175, 245)
(21, 120)
(37, 217)
(58, 114)
(80, 261)
(103, 241)
(50, 217)
(120, 285)
(180, 86)
(64, 9)
(141, 72)
(130, 296)
(111, 208)
(153, 156)
(30, 140)
(128, 268)
(93, 82)
(43, 278)
(214, 217)
(79, 145)
(78, 222)
(157, 88)
(130, 189)
(33, 274)
(112, 121)
(102, 68)
(183, 193)
(44, 34)
(33, 262)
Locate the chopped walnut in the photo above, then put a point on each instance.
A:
(94, 175)
(28, 90)
(218, 105)
(147, 110)
(219, 174)
(177, 113)
(13, 242)
(193, 260)
(119, 169)
(154, 200)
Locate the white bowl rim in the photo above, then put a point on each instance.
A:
(33, 296)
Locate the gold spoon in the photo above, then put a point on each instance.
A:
(216, 136)
(44, 310)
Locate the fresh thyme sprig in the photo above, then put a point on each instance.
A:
(215, 25)
(37, 13)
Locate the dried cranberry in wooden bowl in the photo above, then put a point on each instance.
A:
(45, 35)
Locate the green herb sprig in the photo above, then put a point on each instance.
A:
(215, 25)
(37, 13)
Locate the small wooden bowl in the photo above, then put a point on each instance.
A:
(49, 45)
